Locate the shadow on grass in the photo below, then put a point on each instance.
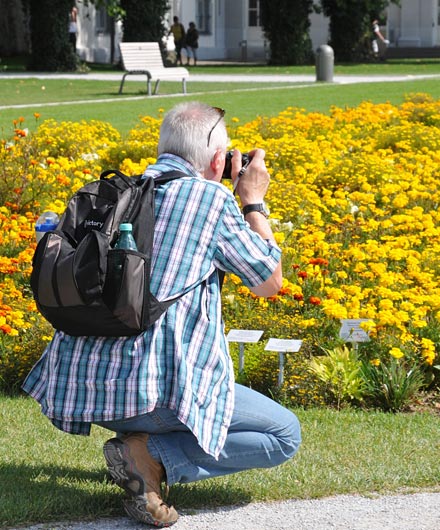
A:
(35, 494)
(38, 494)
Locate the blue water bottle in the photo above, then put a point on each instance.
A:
(46, 222)
(126, 239)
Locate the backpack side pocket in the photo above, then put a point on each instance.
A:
(126, 287)
(51, 262)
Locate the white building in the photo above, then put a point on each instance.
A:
(230, 29)
(416, 23)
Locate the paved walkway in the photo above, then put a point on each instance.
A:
(230, 78)
(420, 511)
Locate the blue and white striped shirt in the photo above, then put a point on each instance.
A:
(181, 362)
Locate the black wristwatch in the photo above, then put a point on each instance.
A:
(259, 207)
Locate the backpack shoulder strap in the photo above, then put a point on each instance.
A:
(168, 176)
(129, 181)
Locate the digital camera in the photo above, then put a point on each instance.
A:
(245, 159)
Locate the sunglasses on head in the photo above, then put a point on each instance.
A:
(221, 113)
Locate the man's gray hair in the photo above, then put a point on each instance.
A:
(185, 130)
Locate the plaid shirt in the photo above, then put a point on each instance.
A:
(181, 362)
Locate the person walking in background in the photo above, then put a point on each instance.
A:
(192, 42)
(169, 393)
(377, 36)
(178, 32)
(73, 27)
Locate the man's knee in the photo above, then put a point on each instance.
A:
(291, 437)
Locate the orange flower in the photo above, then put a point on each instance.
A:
(318, 261)
(314, 300)
(273, 298)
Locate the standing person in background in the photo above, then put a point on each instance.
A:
(178, 32)
(169, 393)
(73, 27)
(192, 42)
(377, 36)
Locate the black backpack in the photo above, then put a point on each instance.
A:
(73, 280)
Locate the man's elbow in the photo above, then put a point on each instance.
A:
(270, 287)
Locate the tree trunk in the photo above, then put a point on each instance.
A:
(50, 46)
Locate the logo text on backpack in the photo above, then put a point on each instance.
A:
(94, 224)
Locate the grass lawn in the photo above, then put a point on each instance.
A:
(244, 101)
(85, 99)
(63, 477)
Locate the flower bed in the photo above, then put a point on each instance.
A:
(354, 199)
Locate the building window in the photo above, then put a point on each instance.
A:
(204, 17)
(254, 13)
(103, 20)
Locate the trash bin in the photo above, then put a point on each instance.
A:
(325, 59)
(243, 46)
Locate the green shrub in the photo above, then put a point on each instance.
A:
(340, 370)
(392, 385)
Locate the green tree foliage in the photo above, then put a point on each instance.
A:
(49, 29)
(113, 7)
(351, 26)
(286, 25)
(143, 21)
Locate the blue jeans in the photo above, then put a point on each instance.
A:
(262, 434)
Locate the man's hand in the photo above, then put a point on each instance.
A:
(252, 183)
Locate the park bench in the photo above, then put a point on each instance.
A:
(145, 58)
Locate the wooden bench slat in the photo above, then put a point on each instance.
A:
(145, 58)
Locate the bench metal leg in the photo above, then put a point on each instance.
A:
(122, 83)
(156, 87)
(184, 85)
(136, 73)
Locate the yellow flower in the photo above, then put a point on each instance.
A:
(308, 323)
(428, 351)
(279, 237)
(396, 353)
(235, 279)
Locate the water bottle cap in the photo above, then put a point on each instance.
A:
(126, 227)
(46, 226)
(47, 221)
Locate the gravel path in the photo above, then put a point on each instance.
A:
(420, 511)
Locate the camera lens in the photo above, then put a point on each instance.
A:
(228, 166)
(245, 159)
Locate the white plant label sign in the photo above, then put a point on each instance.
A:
(351, 330)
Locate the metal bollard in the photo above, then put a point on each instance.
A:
(325, 59)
